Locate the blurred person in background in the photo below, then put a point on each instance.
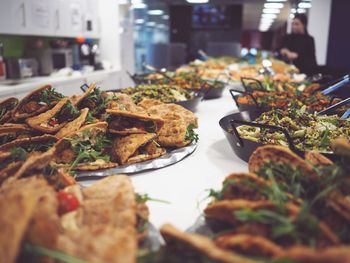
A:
(299, 47)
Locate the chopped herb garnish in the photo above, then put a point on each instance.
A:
(49, 95)
(191, 135)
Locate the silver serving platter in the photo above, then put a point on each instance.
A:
(169, 158)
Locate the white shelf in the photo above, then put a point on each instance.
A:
(27, 85)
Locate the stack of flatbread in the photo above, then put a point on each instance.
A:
(258, 214)
(95, 130)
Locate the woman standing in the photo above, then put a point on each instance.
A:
(299, 47)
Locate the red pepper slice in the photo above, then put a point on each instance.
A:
(67, 202)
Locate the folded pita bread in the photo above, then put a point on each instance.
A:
(173, 133)
(54, 119)
(243, 186)
(65, 153)
(126, 122)
(35, 163)
(36, 102)
(224, 211)
(340, 203)
(86, 94)
(15, 219)
(200, 245)
(341, 146)
(106, 227)
(11, 131)
(123, 102)
(162, 110)
(278, 154)
(136, 148)
(302, 254)
(9, 170)
(37, 143)
(317, 159)
(74, 125)
(250, 245)
(148, 103)
(6, 107)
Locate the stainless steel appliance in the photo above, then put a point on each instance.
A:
(44, 58)
(18, 68)
(62, 58)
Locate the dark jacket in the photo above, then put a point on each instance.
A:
(304, 45)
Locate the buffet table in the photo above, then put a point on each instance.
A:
(185, 183)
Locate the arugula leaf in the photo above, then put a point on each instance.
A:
(304, 229)
(191, 135)
(143, 198)
(18, 153)
(88, 151)
(68, 112)
(42, 251)
(49, 95)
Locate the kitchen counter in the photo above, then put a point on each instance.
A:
(185, 184)
(21, 87)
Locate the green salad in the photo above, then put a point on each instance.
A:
(164, 93)
(308, 131)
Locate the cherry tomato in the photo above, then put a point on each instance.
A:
(67, 202)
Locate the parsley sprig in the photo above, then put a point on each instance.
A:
(87, 150)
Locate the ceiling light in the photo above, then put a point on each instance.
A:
(197, 1)
(139, 6)
(269, 15)
(293, 10)
(151, 23)
(304, 5)
(301, 10)
(263, 29)
(161, 26)
(155, 12)
(273, 5)
(276, 0)
(165, 17)
(291, 16)
(139, 21)
(267, 20)
(271, 11)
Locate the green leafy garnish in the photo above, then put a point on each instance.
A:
(68, 112)
(49, 95)
(143, 198)
(304, 229)
(18, 153)
(90, 151)
(325, 141)
(58, 255)
(191, 135)
(89, 118)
